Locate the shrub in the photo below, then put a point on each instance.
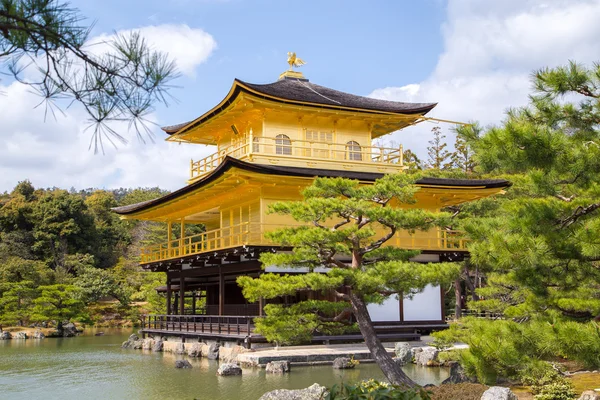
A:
(559, 390)
(375, 390)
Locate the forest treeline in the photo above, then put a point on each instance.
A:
(62, 252)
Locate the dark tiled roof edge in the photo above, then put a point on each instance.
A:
(230, 162)
(299, 91)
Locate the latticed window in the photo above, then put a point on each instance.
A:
(283, 145)
(316, 136)
(353, 151)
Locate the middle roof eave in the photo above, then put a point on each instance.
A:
(300, 172)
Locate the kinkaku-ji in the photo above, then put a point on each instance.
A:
(271, 141)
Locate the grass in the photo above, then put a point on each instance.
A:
(585, 381)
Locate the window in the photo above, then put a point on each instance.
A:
(316, 136)
(353, 150)
(283, 145)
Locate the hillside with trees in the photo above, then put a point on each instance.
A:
(65, 256)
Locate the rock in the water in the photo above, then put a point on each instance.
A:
(343, 363)
(498, 393)
(314, 392)
(278, 367)
(590, 395)
(195, 350)
(133, 342)
(403, 353)
(457, 375)
(182, 364)
(212, 351)
(20, 335)
(70, 330)
(5, 335)
(158, 346)
(180, 348)
(427, 356)
(148, 343)
(229, 369)
(38, 335)
(99, 334)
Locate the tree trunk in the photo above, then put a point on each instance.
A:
(471, 285)
(390, 368)
(458, 299)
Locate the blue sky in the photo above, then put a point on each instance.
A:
(354, 46)
(473, 57)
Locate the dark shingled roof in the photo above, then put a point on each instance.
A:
(300, 91)
(304, 91)
(230, 162)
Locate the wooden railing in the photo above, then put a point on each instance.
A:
(254, 234)
(209, 324)
(340, 153)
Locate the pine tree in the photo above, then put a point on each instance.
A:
(49, 37)
(540, 242)
(439, 157)
(347, 228)
(462, 157)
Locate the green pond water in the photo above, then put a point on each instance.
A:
(95, 367)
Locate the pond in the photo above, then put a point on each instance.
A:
(95, 367)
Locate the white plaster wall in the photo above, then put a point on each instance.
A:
(388, 311)
(425, 306)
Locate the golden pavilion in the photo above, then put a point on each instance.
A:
(271, 141)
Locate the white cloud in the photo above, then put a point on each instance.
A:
(490, 51)
(54, 151)
(189, 47)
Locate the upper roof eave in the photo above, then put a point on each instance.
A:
(277, 92)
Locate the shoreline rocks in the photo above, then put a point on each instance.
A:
(403, 351)
(343, 363)
(5, 335)
(498, 393)
(428, 356)
(20, 335)
(314, 392)
(457, 375)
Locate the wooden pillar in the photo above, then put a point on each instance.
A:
(194, 302)
(221, 292)
(169, 297)
(181, 291)
(261, 304)
(176, 305)
(182, 237)
(169, 237)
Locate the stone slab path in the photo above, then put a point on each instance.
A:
(315, 355)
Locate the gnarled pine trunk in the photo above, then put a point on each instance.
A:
(390, 368)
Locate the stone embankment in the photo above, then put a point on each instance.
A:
(211, 351)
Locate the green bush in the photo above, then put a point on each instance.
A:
(375, 390)
(559, 390)
(505, 348)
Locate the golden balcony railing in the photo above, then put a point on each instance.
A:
(283, 148)
(253, 234)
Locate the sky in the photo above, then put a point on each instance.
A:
(474, 57)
